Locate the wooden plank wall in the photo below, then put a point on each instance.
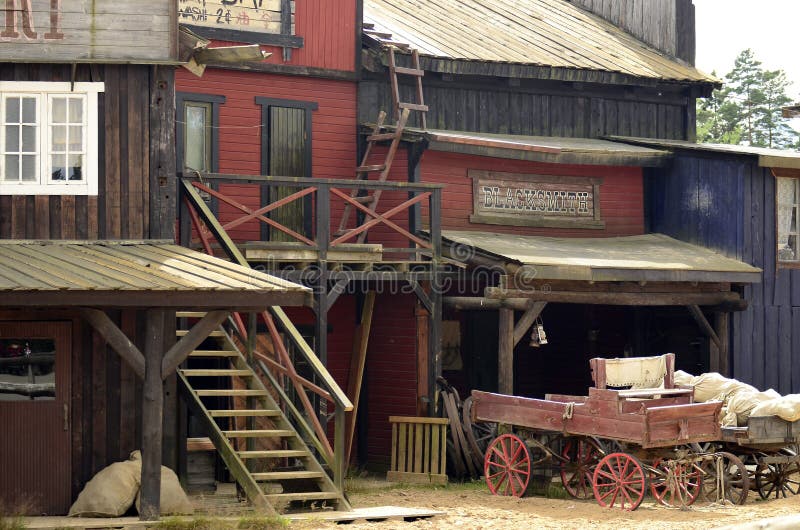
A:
(122, 208)
(537, 108)
(667, 25)
(727, 203)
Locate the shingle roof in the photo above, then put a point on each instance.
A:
(552, 33)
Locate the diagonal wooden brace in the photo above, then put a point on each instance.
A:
(199, 332)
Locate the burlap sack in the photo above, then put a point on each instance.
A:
(173, 499)
(682, 378)
(111, 491)
(786, 407)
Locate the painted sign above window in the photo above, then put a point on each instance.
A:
(252, 21)
(87, 31)
(535, 200)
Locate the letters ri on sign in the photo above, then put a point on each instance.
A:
(20, 23)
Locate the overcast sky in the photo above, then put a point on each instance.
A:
(771, 28)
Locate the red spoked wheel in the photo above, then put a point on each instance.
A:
(581, 457)
(677, 487)
(619, 480)
(507, 466)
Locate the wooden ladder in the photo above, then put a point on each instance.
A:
(402, 110)
(270, 489)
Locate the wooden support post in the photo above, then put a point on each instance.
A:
(526, 321)
(152, 417)
(357, 365)
(505, 352)
(339, 462)
(721, 326)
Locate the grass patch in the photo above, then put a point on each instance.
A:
(253, 522)
(13, 522)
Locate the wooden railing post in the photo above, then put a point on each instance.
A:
(339, 464)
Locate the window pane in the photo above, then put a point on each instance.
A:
(59, 167)
(786, 199)
(30, 169)
(198, 136)
(59, 110)
(29, 110)
(76, 138)
(12, 138)
(75, 167)
(76, 110)
(12, 168)
(28, 369)
(12, 110)
(28, 139)
(59, 138)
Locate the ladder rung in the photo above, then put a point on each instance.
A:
(413, 106)
(278, 453)
(363, 199)
(214, 353)
(339, 233)
(215, 333)
(243, 413)
(409, 71)
(366, 169)
(303, 496)
(217, 372)
(190, 314)
(381, 137)
(230, 392)
(267, 433)
(283, 475)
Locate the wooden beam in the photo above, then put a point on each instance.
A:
(700, 318)
(115, 338)
(722, 323)
(152, 417)
(527, 320)
(199, 332)
(479, 303)
(357, 365)
(505, 352)
(632, 299)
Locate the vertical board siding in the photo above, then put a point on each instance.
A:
(727, 203)
(333, 131)
(122, 207)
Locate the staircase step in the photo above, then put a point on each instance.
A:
(190, 314)
(266, 433)
(243, 413)
(409, 71)
(413, 106)
(215, 333)
(214, 353)
(217, 372)
(230, 392)
(366, 169)
(278, 453)
(303, 496)
(283, 475)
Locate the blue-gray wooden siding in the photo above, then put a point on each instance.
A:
(727, 203)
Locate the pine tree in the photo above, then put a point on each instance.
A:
(744, 88)
(717, 118)
(772, 129)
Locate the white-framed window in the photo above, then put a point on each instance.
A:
(787, 212)
(48, 138)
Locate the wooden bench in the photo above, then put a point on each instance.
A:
(600, 378)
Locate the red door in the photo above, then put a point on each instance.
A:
(35, 452)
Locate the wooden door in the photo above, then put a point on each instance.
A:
(35, 456)
(287, 145)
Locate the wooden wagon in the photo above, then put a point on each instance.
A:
(606, 436)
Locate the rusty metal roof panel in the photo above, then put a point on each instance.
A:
(126, 266)
(552, 33)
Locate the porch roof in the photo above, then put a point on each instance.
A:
(650, 257)
(134, 274)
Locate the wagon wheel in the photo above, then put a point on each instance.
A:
(734, 479)
(478, 434)
(778, 480)
(581, 455)
(619, 479)
(677, 486)
(507, 466)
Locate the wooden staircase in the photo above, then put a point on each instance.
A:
(273, 479)
(402, 110)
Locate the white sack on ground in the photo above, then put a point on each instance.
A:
(111, 491)
(173, 499)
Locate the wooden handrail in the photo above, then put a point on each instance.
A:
(301, 182)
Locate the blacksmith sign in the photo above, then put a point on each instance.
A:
(535, 200)
(72, 31)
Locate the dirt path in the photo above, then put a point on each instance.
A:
(471, 507)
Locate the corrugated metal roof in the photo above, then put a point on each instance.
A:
(777, 158)
(552, 33)
(122, 266)
(650, 257)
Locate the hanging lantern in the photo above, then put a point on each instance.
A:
(538, 336)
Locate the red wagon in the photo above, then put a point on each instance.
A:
(615, 445)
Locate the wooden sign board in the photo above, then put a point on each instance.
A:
(251, 21)
(535, 200)
(70, 31)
